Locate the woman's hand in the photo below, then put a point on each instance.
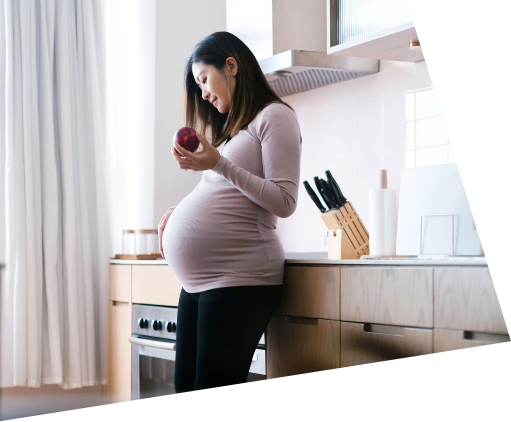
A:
(161, 227)
(205, 159)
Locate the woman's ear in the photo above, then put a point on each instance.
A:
(232, 66)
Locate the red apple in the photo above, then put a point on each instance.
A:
(186, 137)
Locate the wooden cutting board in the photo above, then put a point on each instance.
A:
(146, 257)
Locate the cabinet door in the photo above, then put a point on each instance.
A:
(119, 353)
(119, 279)
(298, 345)
(393, 296)
(311, 292)
(445, 340)
(368, 343)
(465, 299)
(155, 285)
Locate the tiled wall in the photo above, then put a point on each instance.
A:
(389, 120)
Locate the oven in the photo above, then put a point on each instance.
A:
(153, 343)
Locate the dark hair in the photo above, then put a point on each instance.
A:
(251, 94)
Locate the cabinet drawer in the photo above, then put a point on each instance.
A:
(119, 282)
(395, 296)
(465, 299)
(311, 292)
(368, 343)
(445, 340)
(298, 345)
(155, 285)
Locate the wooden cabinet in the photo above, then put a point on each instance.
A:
(368, 343)
(381, 310)
(333, 316)
(128, 284)
(338, 316)
(312, 292)
(465, 299)
(393, 296)
(155, 285)
(119, 354)
(445, 340)
(297, 345)
(119, 287)
(119, 327)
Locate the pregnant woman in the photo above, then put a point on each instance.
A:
(220, 241)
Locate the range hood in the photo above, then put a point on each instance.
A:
(289, 40)
(295, 71)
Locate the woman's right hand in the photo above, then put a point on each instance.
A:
(161, 228)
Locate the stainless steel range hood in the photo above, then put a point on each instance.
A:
(289, 39)
(295, 71)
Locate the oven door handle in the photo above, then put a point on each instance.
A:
(152, 343)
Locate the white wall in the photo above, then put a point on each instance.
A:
(180, 25)
(389, 120)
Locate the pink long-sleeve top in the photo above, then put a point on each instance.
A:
(223, 233)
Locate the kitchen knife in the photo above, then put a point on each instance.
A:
(324, 194)
(313, 196)
(330, 193)
(336, 187)
(334, 193)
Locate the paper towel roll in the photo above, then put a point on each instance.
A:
(382, 221)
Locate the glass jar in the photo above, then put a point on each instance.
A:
(128, 242)
(146, 241)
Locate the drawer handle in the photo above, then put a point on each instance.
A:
(485, 337)
(301, 320)
(117, 303)
(389, 330)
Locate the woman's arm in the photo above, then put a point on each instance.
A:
(277, 129)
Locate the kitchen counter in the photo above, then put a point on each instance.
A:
(320, 258)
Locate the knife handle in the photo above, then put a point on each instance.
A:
(313, 196)
(319, 188)
(324, 194)
(330, 194)
(336, 186)
(335, 194)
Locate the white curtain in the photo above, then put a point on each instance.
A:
(54, 218)
(130, 65)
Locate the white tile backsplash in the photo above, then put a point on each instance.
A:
(366, 114)
(398, 108)
(388, 120)
(367, 140)
(399, 136)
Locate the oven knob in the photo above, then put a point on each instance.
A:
(156, 325)
(170, 327)
(143, 323)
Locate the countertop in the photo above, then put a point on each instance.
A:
(320, 258)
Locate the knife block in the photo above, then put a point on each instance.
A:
(348, 238)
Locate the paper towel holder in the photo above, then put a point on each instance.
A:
(452, 232)
(383, 179)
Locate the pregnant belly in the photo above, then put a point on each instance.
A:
(208, 241)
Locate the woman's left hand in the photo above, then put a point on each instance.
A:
(202, 160)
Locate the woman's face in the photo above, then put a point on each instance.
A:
(217, 86)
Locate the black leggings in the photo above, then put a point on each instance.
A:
(217, 333)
